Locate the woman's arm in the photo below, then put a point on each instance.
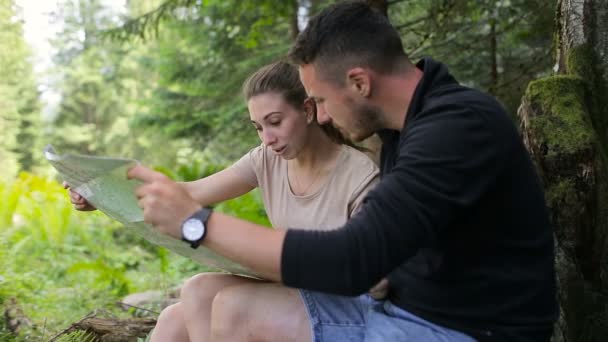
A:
(218, 187)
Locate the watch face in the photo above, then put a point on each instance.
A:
(193, 229)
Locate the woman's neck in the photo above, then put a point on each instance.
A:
(319, 151)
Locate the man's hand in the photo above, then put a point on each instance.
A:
(79, 202)
(166, 204)
(380, 290)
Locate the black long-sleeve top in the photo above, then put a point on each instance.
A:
(458, 222)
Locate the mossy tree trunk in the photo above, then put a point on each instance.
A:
(564, 120)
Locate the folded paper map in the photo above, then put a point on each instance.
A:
(103, 182)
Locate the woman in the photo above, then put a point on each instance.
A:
(309, 177)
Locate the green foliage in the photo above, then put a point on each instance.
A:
(189, 172)
(247, 207)
(60, 264)
(10, 197)
(113, 277)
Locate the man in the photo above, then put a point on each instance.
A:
(458, 221)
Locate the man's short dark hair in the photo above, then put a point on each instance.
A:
(346, 35)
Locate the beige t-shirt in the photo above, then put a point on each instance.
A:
(328, 207)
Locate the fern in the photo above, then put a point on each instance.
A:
(78, 336)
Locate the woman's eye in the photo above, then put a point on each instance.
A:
(275, 123)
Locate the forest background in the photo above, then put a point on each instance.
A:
(160, 81)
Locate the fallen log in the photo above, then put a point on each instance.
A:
(110, 329)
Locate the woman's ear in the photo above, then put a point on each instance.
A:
(310, 109)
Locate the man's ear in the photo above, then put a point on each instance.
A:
(358, 80)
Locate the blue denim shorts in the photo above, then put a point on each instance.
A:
(362, 319)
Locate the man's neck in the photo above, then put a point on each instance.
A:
(394, 95)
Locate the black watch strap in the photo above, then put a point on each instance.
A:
(203, 215)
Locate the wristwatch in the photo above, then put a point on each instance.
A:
(194, 227)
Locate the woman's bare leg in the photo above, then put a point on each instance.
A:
(170, 326)
(197, 296)
(259, 312)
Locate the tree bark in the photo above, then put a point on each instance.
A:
(564, 120)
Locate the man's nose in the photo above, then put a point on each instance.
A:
(322, 116)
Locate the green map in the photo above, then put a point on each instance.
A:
(103, 182)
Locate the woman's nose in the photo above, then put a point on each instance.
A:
(268, 138)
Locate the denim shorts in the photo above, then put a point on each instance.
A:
(362, 319)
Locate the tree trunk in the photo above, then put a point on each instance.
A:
(294, 21)
(493, 57)
(564, 120)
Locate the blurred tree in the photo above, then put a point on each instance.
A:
(19, 104)
(495, 45)
(103, 85)
(90, 78)
(87, 78)
(206, 50)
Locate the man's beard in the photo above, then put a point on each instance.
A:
(366, 121)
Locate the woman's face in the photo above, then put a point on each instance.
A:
(280, 126)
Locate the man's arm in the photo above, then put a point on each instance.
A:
(166, 204)
(446, 162)
(249, 244)
(449, 161)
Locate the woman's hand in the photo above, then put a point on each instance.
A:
(79, 202)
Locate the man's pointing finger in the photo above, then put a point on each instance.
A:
(144, 174)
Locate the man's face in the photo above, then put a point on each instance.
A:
(341, 106)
